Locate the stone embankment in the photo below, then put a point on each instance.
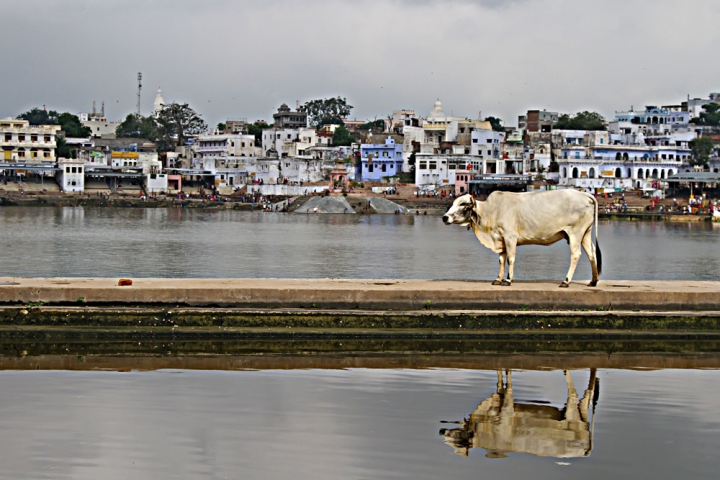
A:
(96, 306)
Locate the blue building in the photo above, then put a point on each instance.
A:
(380, 160)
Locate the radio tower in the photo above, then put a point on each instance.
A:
(138, 94)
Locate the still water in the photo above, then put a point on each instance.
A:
(359, 424)
(110, 242)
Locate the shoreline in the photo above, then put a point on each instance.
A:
(421, 205)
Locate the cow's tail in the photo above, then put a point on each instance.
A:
(598, 253)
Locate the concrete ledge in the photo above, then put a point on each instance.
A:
(372, 295)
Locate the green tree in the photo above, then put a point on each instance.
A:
(221, 126)
(40, 116)
(137, 126)
(342, 137)
(582, 121)
(257, 129)
(175, 122)
(62, 149)
(710, 117)
(496, 123)
(701, 148)
(321, 109)
(69, 123)
(330, 121)
(374, 125)
(72, 127)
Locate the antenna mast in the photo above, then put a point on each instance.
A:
(138, 94)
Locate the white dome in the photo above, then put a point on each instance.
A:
(159, 102)
(437, 112)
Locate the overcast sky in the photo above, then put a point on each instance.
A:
(237, 58)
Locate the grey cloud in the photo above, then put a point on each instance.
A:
(243, 59)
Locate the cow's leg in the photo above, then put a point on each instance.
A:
(499, 279)
(588, 396)
(590, 252)
(510, 247)
(572, 412)
(575, 252)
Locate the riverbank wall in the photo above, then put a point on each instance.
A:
(95, 307)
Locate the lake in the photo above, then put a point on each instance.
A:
(359, 424)
(107, 242)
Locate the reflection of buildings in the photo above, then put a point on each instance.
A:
(499, 425)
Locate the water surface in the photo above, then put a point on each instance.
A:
(107, 242)
(330, 424)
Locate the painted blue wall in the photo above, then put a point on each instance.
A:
(386, 160)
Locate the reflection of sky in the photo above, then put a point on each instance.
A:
(190, 243)
(336, 424)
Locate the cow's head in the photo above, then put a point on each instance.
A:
(462, 212)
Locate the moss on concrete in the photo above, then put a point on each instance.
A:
(529, 322)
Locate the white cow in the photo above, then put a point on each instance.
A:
(507, 220)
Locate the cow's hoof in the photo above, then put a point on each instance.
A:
(564, 285)
(505, 283)
(497, 282)
(592, 284)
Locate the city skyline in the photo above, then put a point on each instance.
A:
(243, 59)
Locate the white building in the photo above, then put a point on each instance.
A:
(23, 143)
(71, 175)
(438, 128)
(226, 145)
(288, 142)
(695, 106)
(487, 145)
(97, 123)
(439, 169)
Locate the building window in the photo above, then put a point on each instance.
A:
(21, 138)
(422, 166)
(33, 138)
(433, 165)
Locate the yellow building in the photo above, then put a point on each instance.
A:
(22, 143)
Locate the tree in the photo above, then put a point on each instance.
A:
(137, 126)
(496, 123)
(40, 116)
(62, 150)
(582, 121)
(374, 125)
(701, 148)
(342, 137)
(175, 122)
(72, 127)
(221, 127)
(69, 123)
(320, 109)
(257, 129)
(710, 117)
(330, 121)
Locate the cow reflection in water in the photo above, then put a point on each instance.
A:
(500, 425)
